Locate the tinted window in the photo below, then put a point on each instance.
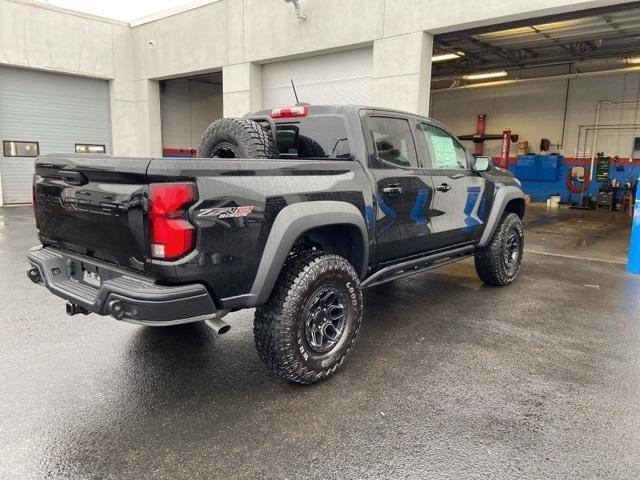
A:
(313, 137)
(90, 148)
(394, 142)
(444, 150)
(20, 149)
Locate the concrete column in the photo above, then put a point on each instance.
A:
(241, 89)
(122, 95)
(402, 72)
(135, 122)
(135, 103)
(123, 122)
(148, 118)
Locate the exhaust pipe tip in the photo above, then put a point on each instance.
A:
(217, 325)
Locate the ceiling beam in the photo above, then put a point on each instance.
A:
(609, 21)
(592, 12)
(467, 54)
(446, 69)
(554, 40)
(501, 52)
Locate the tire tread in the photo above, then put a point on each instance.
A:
(488, 261)
(274, 322)
(254, 140)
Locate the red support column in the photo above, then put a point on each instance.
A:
(504, 150)
(480, 124)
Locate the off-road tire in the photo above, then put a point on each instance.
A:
(236, 138)
(491, 262)
(309, 148)
(279, 326)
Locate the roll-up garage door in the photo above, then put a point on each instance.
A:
(334, 78)
(50, 112)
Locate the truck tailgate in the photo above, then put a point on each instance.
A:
(93, 205)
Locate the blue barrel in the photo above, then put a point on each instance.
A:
(633, 262)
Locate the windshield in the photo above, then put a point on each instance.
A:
(314, 137)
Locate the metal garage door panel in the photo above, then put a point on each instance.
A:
(55, 110)
(334, 78)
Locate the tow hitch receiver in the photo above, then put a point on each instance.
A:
(75, 309)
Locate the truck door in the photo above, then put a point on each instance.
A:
(403, 188)
(459, 206)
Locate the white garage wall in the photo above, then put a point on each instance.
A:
(334, 78)
(535, 110)
(187, 108)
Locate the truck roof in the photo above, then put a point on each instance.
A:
(352, 109)
(339, 109)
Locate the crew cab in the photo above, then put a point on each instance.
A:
(293, 211)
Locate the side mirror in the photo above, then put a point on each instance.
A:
(481, 164)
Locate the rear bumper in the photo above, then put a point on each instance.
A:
(121, 294)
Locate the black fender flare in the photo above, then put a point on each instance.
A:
(502, 197)
(290, 223)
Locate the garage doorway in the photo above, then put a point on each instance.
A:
(567, 90)
(188, 105)
(333, 78)
(42, 112)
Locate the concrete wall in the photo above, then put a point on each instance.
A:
(225, 33)
(48, 38)
(536, 110)
(228, 32)
(187, 108)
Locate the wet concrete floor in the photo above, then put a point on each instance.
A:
(450, 379)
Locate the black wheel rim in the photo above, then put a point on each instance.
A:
(512, 249)
(225, 150)
(325, 319)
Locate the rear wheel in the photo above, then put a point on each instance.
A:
(499, 262)
(236, 138)
(310, 323)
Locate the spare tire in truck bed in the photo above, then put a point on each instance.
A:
(236, 138)
(309, 148)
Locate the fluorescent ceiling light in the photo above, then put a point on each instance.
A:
(632, 60)
(446, 56)
(481, 76)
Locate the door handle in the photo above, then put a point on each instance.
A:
(444, 187)
(392, 190)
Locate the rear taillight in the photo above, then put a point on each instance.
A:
(171, 233)
(286, 112)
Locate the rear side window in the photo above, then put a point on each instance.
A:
(394, 142)
(314, 137)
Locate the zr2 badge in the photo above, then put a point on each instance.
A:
(226, 212)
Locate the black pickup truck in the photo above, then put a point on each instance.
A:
(292, 211)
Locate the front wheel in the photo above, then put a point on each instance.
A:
(310, 323)
(499, 262)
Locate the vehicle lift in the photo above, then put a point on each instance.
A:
(480, 137)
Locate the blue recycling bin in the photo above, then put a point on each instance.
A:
(633, 261)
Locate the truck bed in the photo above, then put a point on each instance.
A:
(97, 206)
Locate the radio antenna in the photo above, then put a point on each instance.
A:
(294, 91)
